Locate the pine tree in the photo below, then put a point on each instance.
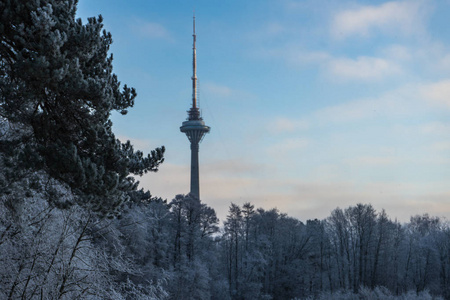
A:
(57, 91)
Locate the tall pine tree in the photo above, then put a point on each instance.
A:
(57, 92)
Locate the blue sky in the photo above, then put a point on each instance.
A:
(312, 105)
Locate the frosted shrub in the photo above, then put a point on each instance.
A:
(379, 293)
(339, 295)
(424, 295)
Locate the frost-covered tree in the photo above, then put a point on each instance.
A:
(51, 253)
(48, 253)
(193, 258)
(233, 236)
(138, 247)
(362, 221)
(423, 261)
(57, 90)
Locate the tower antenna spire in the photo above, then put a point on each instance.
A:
(194, 67)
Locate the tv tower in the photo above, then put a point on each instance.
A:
(194, 127)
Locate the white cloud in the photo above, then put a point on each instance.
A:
(438, 93)
(392, 104)
(362, 68)
(441, 146)
(396, 17)
(435, 128)
(373, 161)
(398, 53)
(348, 112)
(445, 62)
(287, 146)
(405, 101)
(282, 125)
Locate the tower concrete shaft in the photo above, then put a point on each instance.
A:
(195, 174)
(194, 127)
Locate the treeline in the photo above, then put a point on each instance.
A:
(267, 254)
(175, 250)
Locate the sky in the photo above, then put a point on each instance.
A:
(312, 104)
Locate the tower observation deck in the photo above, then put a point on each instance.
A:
(194, 127)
